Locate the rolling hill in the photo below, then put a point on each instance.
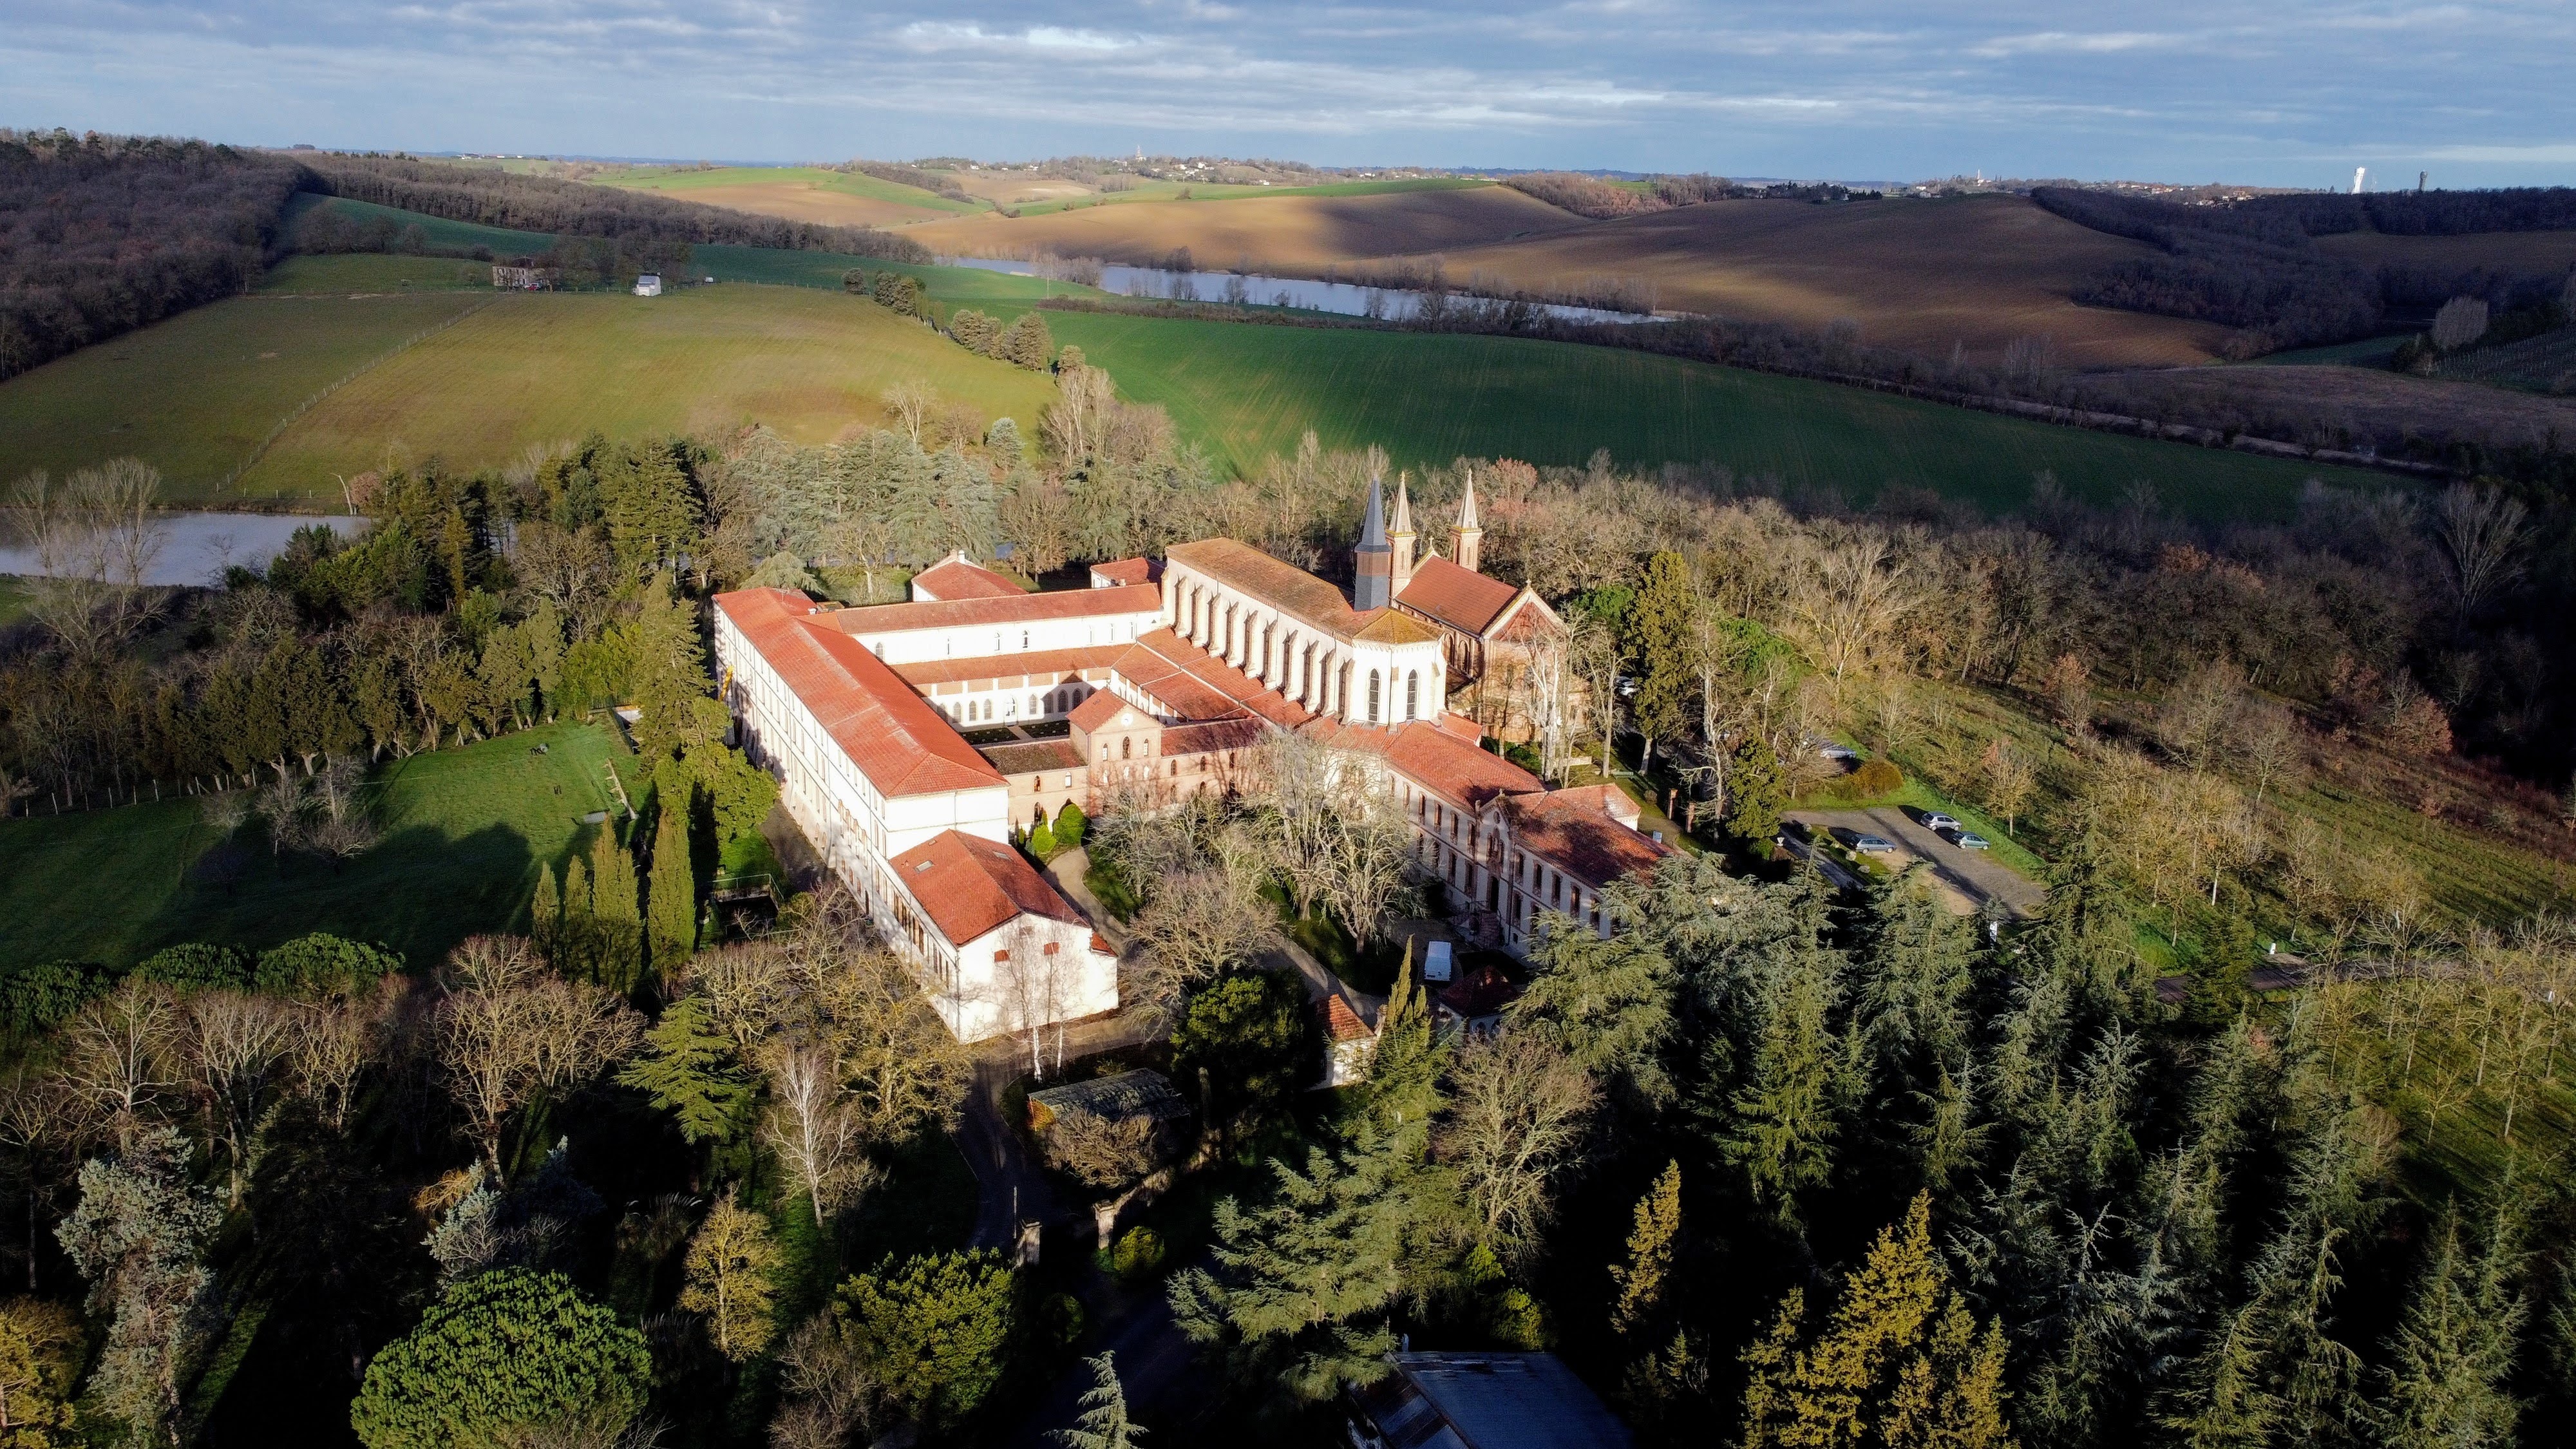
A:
(1301, 231)
(798, 193)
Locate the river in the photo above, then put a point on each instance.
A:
(196, 548)
(1252, 289)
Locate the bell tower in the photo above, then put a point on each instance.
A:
(1468, 533)
(1372, 582)
(1401, 536)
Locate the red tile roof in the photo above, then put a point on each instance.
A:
(890, 733)
(966, 886)
(1033, 757)
(1297, 593)
(1100, 709)
(954, 578)
(1610, 800)
(1197, 685)
(1017, 609)
(1343, 1024)
(1481, 992)
(1460, 598)
(1212, 736)
(1051, 665)
(1577, 837)
(1439, 762)
(1127, 571)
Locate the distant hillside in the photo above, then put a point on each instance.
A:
(100, 235)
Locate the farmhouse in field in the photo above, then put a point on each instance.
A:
(1150, 686)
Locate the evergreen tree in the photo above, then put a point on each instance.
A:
(1797, 1083)
(1404, 1077)
(617, 922)
(667, 677)
(1296, 1296)
(2445, 1383)
(1104, 1423)
(1757, 791)
(1658, 645)
(689, 1070)
(673, 892)
(545, 915)
(1609, 1004)
(1650, 1253)
(139, 1236)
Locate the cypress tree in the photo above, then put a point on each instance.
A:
(1404, 1078)
(673, 887)
(617, 912)
(1659, 648)
(1650, 1252)
(577, 932)
(545, 913)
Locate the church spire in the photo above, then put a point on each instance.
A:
(1401, 535)
(1371, 584)
(1468, 533)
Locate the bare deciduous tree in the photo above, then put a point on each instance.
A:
(2482, 532)
(95, 537)
(814, 1127)
(232, 1044)
(1103, 1152)
(330, 1047)
(118, 1055)
(910, 403)
(1199, 924)
(1519, 1111)
(509, 1029)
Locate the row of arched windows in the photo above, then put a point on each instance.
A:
(1271, 653)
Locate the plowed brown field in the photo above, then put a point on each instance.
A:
(1305, 233)
(1921, 275)
(804, 201)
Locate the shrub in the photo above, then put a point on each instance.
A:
(322, 963)
(36, 999)
(197, 966)
(1069, 825)
(1873, 779)
(501, 1355)
(1042, 842)
(1138, 1254)
(934, 1331)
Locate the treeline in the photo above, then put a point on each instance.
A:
(582, 261)
(939, 182)
(100, 235)
(2252, 265)
(550, 204)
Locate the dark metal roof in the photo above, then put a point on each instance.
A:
(1490, 1401)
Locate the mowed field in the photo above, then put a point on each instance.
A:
(543, 369)
(1978, 271)
(464, 832)
(1302, 231)
(195, 395)
(798, 193)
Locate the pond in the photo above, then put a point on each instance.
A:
(196, 548)
(1251, 289)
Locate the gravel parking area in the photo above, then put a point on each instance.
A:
(1972, 873)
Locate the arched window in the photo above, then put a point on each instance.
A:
(1412, 694)
(1126, 748)
(1373, 709)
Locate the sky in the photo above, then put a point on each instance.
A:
(2284, 92)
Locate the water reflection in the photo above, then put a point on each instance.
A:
(1349, 299)
(196, 548)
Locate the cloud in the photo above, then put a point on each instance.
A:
(2061, 42)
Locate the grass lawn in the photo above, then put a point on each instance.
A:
(13, 599)
(848, 183)
(348, 272)
(438, 231)
(195, 394)
(464, 832)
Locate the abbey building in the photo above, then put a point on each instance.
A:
(912, 739)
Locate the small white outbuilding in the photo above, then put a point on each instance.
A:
(648, 285)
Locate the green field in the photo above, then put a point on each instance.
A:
(438, 231)
(1212, 191)
(348, 272)
(464, 832)
(847, 183)
(194, 395)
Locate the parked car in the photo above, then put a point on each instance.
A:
(1936, 821)
(1873, 845)
(1968, 840)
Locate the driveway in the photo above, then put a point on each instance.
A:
(1975, 875)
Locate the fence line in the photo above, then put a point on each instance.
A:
(260, 449)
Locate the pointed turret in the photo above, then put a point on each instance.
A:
(1371, 585)
(1401, 536)
(1468, 533)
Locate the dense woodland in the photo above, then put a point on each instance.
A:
(2251, 264)
(100, 235)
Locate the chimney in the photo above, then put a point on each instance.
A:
(1400, 535)
(1371, 584)
(1468, 533)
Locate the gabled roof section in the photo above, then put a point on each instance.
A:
(1126, 571)
(957, 577)
(897, 740)
(1101, 708)
(1440, 762)
(1469, 602)
(1578, 837)
(1054, 665)
(968, 886)
(1017, 609)
(1393, 626)
(1196, 685)
(1276, 582)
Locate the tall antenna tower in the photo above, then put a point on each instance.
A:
(2359, 174)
